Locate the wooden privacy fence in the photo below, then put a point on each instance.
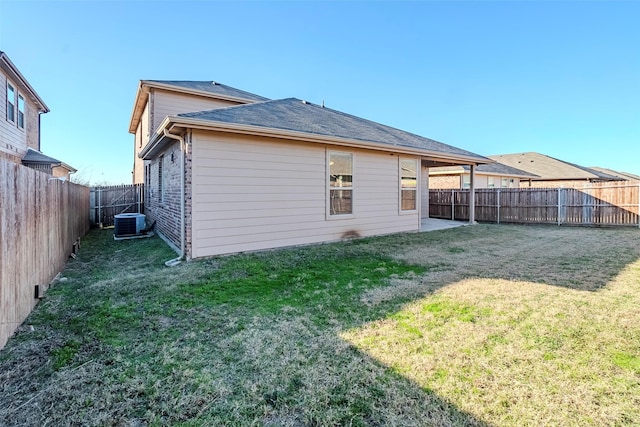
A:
(107, 202)
(594, 205)
(41, 220)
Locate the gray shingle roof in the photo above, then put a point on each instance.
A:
(549, 168)
(500, 169)
(211, 87)
(622, 175)
(292, 114)
(34, 156)
(487, 169)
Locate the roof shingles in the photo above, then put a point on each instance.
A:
(212, 87)
(293, 114)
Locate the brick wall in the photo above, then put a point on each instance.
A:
(32, 125)
(444, 181)
(165, 210)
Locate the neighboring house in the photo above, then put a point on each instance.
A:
(282, 172)
(552, 172)
(20, 111)
(624, 176)
(20, 122)
(36, 160)
(157, 99)
(492, 175)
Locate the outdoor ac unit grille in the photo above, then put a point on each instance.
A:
(129, 224)
(125, 226)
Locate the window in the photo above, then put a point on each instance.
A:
(21, 111)
(505, 183)
(11, 103)
(491, 182)
(408, 184)
(160, 192)
(466, 181)
(340, 183)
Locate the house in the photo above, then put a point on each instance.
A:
(37, 160)
(157, 99)
(272, 173)
(552, 172)
(492, 175)
(20, 123)
(624, 176)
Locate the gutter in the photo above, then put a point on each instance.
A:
(183, 149)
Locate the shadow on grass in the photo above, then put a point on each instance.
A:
(254, 338)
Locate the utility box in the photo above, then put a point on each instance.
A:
(128, 224)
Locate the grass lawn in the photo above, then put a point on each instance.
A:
(486, 325)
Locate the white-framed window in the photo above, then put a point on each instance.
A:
(408, 173)
(505, 183)
(491, 183)
(21, 111)
(340, 183)
(466, 180)
(160, 183)
(11, 103)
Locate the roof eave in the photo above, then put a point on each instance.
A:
(173, 88)
(144, 88)
(17, 75)
(156, 144)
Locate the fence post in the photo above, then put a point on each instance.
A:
(498, 204)
(559, 206)
(453, 217)
(99, 208)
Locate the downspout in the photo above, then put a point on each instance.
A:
(176, 261)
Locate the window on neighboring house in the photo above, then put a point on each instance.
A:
(21, 111)
(160, 189)
(491, 182)
(408, 184)
(505, 183)
(11, 103)
(340, 183)
(466, 181)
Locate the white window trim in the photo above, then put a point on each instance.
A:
(417, 164)
(327, 180)
(13, 103)
(24, 113)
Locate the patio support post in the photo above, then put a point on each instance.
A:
(472, 196)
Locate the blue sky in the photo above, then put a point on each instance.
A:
(559, 78)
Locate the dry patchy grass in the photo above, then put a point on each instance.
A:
(485, 325)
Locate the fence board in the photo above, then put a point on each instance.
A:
(108, 201)
(594, 205)
(40, 220)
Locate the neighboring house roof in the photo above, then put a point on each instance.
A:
(297, 119)
(621, 175)
(496, 168)
(36, 157)
(210, 89)
(550, 169)
(14, 73)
